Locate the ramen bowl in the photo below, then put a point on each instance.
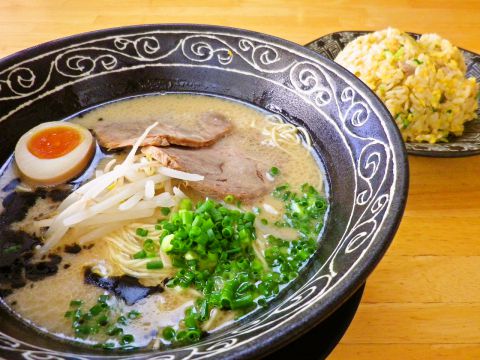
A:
(359, 146)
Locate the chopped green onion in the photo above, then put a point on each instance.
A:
(181, 335)
(185, 204)
(84, 330)
(234, 250)
(399, 52)
(165, 211)
(102, 320)
(97, 317)
(103, 298)
(76, 303)
(142, 232)
(274, 171)
(190, 255)
(229, 199)
(227, 221)
(96, 309)
(150, 248)
(195, 231)
(186, 216)
(134, 314)
(115, 330)
(226, 296)
(212, 248)
(168, 333)
(227, 232)
(206, 206)
(262, 302)
(140, 255)
(176, 219)
(249, 217)
(193, 335)
(155, 265)
(12, 249)
(243, 302)
(167, 243)
(127, 339)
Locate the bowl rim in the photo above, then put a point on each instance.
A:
(273, 341)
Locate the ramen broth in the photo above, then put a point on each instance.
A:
(43, 303)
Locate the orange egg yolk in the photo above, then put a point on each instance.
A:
(54, 142)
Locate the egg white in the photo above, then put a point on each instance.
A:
(55, 171)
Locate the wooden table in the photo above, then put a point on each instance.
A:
(423, 300)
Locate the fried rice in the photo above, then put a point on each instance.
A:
(423, 83)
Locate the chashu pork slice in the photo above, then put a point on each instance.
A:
(226, 168)
(204, 131)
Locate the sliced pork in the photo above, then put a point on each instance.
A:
(227, 169)
(205, 131)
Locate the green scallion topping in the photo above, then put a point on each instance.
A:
(140, 255)
(274, 171)
(108, 346)
(103, 299)
(150, 248)
(134, 314)
(155, 265)
(101, 318)
(142, 232)
(185, 204)
(115, 331)
(96, 309)
(76, 303)
(11, 249)
(168, 333)
(211, 246)
(122, 320)
(127, 339)
(229, 199)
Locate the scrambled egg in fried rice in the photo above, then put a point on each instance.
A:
(422, 82)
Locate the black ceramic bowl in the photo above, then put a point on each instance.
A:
(353, 133)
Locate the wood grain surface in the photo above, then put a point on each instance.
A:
(423, 300)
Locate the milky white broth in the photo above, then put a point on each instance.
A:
(44, 302)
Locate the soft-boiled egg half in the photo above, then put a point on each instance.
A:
(54, 152)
